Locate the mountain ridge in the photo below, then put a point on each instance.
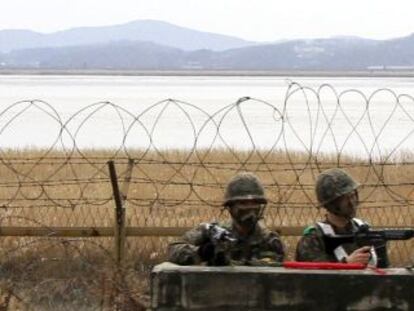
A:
(140, 30)
(336, 53)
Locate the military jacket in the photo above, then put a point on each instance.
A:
(261, 247)
(311, 247)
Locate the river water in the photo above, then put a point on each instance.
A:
(360, 116)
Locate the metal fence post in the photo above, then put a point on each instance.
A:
(119, 228)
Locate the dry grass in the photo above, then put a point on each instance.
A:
(168, 189)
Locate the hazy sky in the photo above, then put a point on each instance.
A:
(261, 20)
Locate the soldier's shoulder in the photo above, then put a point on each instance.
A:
(263, 230)
(199, 229)
(196, 235)
(200, 226)
(360, 222)
(310, 230)
(226, 225)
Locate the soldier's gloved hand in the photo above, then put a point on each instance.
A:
(220, 259)
(264, 262)
(360, 255)
(213, 255)
(187, 258)
(206, 251)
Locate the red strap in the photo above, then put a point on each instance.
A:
(378, 270)
(323, 265)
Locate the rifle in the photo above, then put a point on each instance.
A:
(217, 235)
(368, 237)
(215, 250)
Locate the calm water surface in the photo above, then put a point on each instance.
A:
(365, 122)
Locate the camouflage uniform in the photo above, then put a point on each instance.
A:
(311, 246)
(258, 246)
(331, 185)
(262, 247)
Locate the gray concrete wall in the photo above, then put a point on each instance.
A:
(176, 288)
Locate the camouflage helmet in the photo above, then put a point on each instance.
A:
(242, 187)
(333, 183)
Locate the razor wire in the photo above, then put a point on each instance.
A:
(281, 146)
(182, 158)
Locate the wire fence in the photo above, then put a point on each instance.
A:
(173, 160)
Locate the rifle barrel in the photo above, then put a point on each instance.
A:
(398, 234)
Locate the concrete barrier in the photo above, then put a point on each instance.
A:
(179, 288)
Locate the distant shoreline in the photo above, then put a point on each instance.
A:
(235, 73)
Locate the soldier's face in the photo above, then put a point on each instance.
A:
(347, 204)
(246, 213)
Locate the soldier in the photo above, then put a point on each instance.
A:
(242, 241)
(337, 192)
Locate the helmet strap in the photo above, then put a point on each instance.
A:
(261, 211)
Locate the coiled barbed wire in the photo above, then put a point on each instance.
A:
(182, 157)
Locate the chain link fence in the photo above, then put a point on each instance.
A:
(173, 160)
